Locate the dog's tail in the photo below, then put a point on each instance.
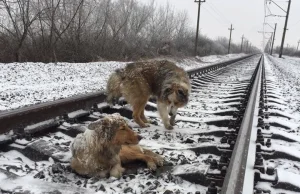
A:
(113, 87)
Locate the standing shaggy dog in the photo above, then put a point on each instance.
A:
(169, 83)
(96, 151)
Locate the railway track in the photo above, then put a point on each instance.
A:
(222, 142)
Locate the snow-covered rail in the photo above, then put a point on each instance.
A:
(211, 150)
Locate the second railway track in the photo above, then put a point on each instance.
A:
(213, 148)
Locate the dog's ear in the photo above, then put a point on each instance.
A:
(100, 124)
(95, 125)
(182, 94)
(166, 92)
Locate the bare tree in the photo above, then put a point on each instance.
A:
(90, 30)
(56, 21)
(20, 15)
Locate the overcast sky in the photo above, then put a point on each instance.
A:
(246, 16)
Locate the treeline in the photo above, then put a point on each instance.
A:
(92, 30)
(289, 51)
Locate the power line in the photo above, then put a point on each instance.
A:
(214, 8)
(219, 11)
(294, 24)
(285, 24)
(265, 4)
(269, 9)
(213, 16)
(277, 5)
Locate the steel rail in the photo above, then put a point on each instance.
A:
(208, 68)
(22, 117)
(19, 118)
(235, 176)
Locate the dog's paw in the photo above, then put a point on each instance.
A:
(121, 170)
(169, 127)
(152, 166)
(145, 120)
(117, 172)
(172, 122)
(103, 173)
(159, 160)
(145, 125)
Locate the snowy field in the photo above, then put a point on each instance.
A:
(24, 84)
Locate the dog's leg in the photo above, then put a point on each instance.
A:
(151, 164)
(117, 169)
(157, 158)
(136, 116)
(131, 153)
(79, 167)
(173, 112)
(138, 108)
(143, 117)
(163, 112)
(103, 173)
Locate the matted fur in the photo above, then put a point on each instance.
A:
(113, 87)
(162, 79)
(96, 151)
(130, 153)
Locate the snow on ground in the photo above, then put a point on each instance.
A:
(38, 177)
(283, 92)
(286, 75)
(287, 57)
(29, 83)
(176, 146)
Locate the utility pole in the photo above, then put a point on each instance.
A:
(197, 33)
(284, 29)
(246, 45)
(250, 46)
(270, 43)
(242, 43)
(273, 38)
(230, 38)
(298, 45)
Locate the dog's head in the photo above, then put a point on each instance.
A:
(177, 94)
(115, 130)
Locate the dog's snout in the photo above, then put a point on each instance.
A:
(186, 99)
(139, 137)
(171, 114)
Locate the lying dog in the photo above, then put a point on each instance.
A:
(164, 80)
(96, 151)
